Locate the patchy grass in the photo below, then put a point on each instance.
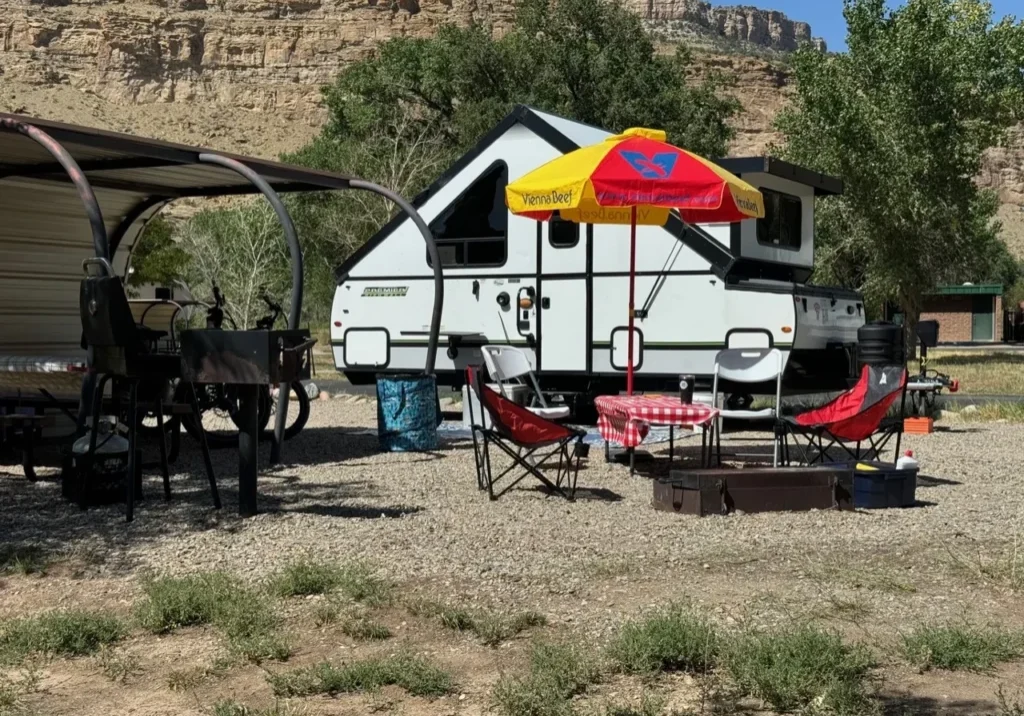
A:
(800, 667)
(14, 690)
(326, 612)
(234, 708)
(987, 413)
(359, 584)
(492, 628)
(415, 674)
(60, 633)
(363, 628)
(557, 672)
(117, 665)
(301, 579)
(961, 647)
(672, 639)
(981, 372)
(1002, 566)
(23, 560)
(1009, 705)
(182, 680)
(245, 617)
(648, 706)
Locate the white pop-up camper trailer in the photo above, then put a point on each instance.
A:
(559, 289)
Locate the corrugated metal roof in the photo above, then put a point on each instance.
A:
(44, 233)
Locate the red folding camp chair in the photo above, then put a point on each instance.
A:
(529, 439)
(854, 417)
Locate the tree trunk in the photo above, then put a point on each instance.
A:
(911, 306)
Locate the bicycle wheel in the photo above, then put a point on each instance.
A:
(298, 411)
(218, 406)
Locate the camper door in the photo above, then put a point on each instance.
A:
(563, 296)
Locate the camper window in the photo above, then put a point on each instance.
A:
(473, 230)
(563, 234)
(783, 220)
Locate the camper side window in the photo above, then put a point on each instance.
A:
(562, 233)
(473, 230)
(783, 220)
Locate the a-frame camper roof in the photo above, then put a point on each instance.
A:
(567, 135)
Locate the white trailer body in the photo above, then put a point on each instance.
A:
(560, 290)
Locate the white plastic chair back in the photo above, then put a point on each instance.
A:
(510, 365)
(751, 365)
(506, 363)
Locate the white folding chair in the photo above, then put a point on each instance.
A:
(748, 366)
(509, 366)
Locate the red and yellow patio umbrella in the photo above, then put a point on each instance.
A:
(633, 178)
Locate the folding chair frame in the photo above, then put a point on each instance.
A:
(816, 449)
(525, 457)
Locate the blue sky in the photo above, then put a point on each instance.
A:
(826, 16)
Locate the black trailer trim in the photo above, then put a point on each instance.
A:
(823, 184)
(792, 289)
(449, 274)
(366, 329)
(589, 332)
(611, 348)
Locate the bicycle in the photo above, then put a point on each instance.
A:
(218, 403)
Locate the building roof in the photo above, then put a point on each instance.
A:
(969, 289)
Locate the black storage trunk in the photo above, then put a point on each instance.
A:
(721, 491)
(245, 357)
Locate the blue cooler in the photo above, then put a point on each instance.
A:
(408, 413)
(878, 485)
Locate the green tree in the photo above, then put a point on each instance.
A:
(903, 117)
(157, 258)
(403, 115)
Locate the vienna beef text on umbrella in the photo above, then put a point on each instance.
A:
(633, 178)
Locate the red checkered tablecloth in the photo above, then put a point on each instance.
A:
(626, 419)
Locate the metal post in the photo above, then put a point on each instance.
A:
(248, 453)
(435, 260)
(295, 251)
(101, 247)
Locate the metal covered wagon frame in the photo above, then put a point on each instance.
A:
(50, 172)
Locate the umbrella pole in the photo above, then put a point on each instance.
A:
(632, 286)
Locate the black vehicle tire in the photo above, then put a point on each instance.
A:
(298, 406)
(218, 405)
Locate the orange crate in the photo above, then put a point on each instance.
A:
(918, 426)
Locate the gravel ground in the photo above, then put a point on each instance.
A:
(421, 520)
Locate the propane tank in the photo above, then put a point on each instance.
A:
(102, 476)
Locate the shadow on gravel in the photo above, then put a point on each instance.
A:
(929, 481)
(902, 704)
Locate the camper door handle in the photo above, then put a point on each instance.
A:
(545, 303)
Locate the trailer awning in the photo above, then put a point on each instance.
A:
(45, 234)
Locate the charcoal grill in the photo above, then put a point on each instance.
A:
(248, 360)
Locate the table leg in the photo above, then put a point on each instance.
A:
(248, 448)
(607, 452)
(671, 444)
(632, 455)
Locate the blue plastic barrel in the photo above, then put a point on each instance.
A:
(408, 413)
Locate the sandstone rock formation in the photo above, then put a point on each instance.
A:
(762, 28)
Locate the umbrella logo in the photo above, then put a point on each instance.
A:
(659, 166)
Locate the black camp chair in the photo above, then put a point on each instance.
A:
(853, 418)
(127, 353)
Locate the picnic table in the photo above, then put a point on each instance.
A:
(626, 419)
